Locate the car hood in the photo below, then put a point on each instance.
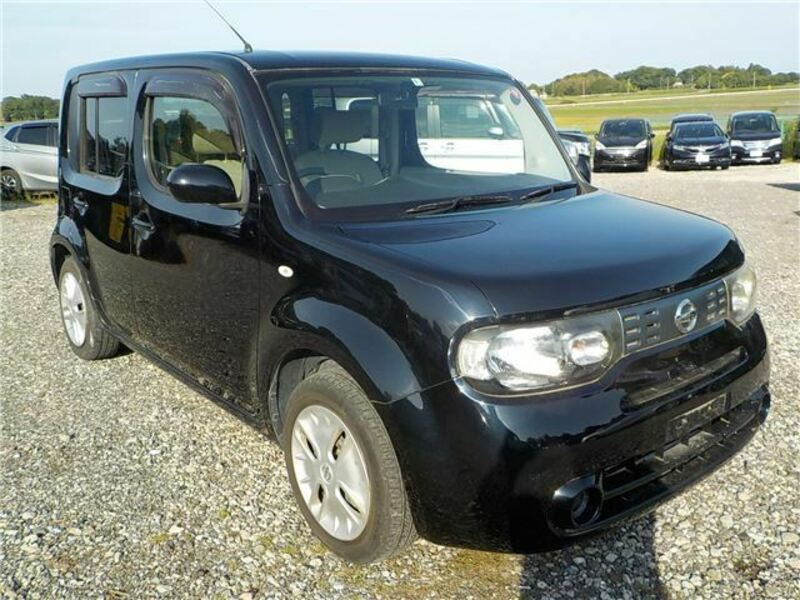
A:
(700, 141)
(615, 141)
(546, 258)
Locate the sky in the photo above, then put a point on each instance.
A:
(535, 41)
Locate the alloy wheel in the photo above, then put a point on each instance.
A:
(331, 472)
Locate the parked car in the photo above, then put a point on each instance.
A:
(755, 137)
(28, 158)
(578, 146)
(688, 118)
(576, 143)
(797, 140)
(624, 143)
(697, 145)
(506, 361)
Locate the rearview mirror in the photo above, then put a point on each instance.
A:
(197, 183)
(496, 132)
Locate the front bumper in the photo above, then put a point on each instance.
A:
(757, 155)
(504, 474)
(608, 158)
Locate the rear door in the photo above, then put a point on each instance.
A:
(37, 156)
(195, 274)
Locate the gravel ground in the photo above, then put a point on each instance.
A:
(119, 481)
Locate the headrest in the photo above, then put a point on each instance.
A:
(339, 126)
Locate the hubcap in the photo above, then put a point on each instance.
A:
(331, 473)
(73, 309)
(9, 182)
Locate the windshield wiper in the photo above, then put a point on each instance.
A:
(456, 203)
(547, 190)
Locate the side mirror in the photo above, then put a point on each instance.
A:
(652, 134)
(196, 183)
(496, 132)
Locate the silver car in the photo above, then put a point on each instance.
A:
(29, 158)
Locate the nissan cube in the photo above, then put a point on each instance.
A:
(392, 267)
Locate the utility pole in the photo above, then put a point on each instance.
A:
(754, 80)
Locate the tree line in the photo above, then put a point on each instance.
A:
(647, 78)
(27, 108)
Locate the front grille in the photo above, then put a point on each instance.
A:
(681, 375)
(652, 323)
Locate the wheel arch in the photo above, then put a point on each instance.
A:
(305, 333)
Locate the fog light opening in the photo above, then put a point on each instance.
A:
(585, 507)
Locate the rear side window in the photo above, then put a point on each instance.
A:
(190, 130)
(36, 135)
(104, 135)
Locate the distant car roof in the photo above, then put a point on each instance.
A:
(686, 117)
(267, 60)
(624, 119)
(745, 113)
(36, 122)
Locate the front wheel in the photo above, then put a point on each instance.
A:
(343, 469)
(86, 335)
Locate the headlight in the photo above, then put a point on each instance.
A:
(598, 145)
(543, 356)
(641, 145)
(572, 150)
(680, 148)
(737, 144)
(741, 294)
(583, 148)
(775, 141)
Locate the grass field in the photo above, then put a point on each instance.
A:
(587, 112)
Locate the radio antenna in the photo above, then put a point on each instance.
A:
(247, 46)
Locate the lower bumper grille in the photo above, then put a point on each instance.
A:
(691, 450)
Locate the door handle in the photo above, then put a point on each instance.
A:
(143, 224)
(79, 203)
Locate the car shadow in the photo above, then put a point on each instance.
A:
(618, 563)
(792, 187)
(15, 204)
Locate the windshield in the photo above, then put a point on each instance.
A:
(375, 144)
(628, 128)
(756, 123)
(697, 130)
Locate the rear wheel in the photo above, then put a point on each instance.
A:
(343, 469)
(10, 185)
(86, 335)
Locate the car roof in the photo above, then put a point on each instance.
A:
(745, 113)
(616, 119)
(36, 122)
(268, 60)
(692, 117)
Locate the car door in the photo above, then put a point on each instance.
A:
(466, 135)
(95, 186)
(195, 274)
(36, 156)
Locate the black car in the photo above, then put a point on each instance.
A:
(578, 147)
(697, 145)
(576, 143)
(624, 143)
(755, 137)
(505, 360)
(688, 118)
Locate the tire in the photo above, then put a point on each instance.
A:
(11, 185)
(387, 527)
(86, 335)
